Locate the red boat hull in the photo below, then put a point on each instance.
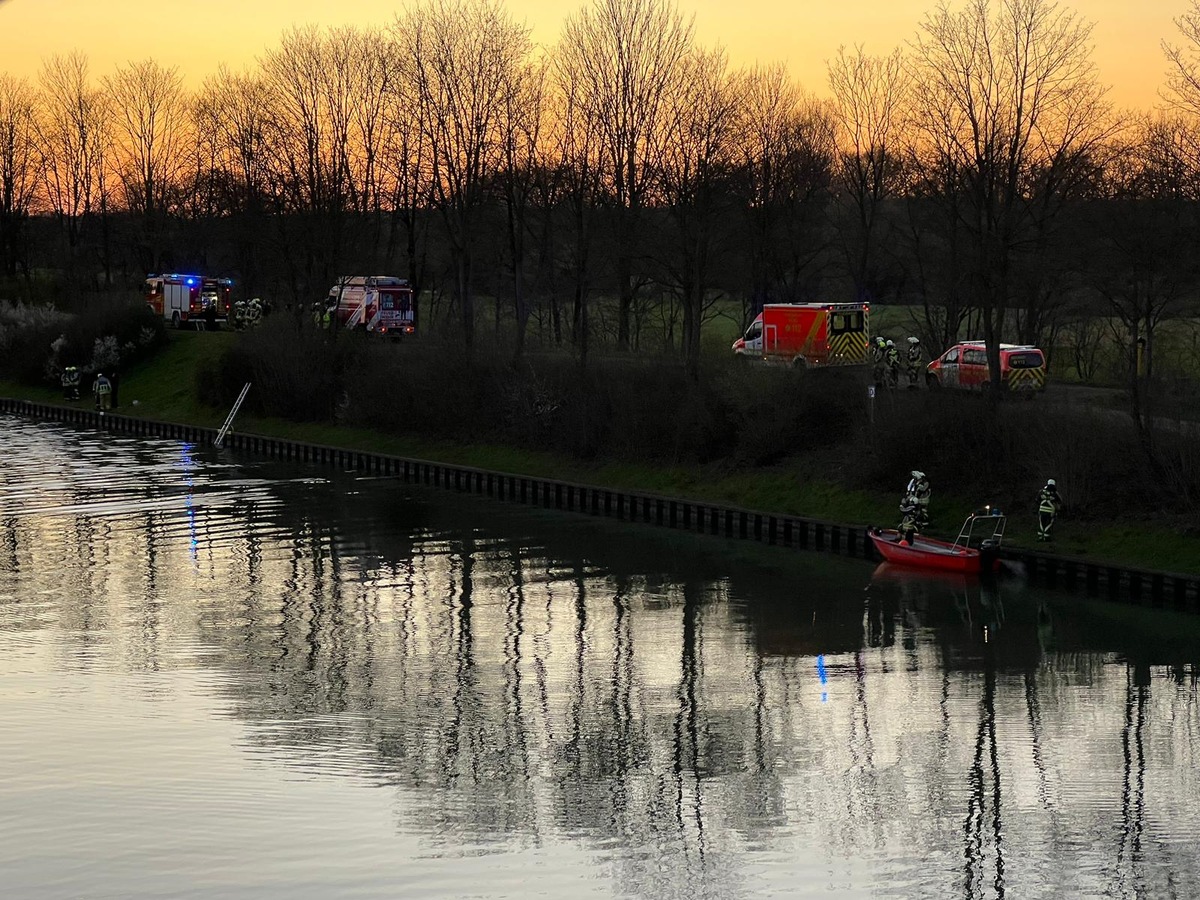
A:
(930, 553)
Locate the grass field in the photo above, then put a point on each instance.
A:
(164, 389)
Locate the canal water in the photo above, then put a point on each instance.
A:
(221, 677)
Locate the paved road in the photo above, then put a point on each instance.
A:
(1112, 402)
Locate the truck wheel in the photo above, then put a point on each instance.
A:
(176, 320)
(800, 363)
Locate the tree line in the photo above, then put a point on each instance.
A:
(627, 184)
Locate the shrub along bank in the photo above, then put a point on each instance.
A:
(801, 443)
(38, 342)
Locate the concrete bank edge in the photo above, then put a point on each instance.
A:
(1167, 590)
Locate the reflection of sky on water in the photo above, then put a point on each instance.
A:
(188, 467)
(245, 678)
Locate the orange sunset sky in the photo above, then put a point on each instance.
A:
(804, 34)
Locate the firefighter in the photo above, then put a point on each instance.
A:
(1049, 503)
(254, 312)
(102, 391)
(892, 358)
(915, 357)
(70, 383)
(919, 490)
(909, 525)
(878, 360)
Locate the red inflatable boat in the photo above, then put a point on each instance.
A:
(963, 555)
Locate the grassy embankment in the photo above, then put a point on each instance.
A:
(163, 388)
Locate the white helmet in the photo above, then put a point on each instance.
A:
(1050, 482)
(890, 344)
(918, 475)
(914, 340)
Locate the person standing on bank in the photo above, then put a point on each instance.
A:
(1049, 503)
(878, 361)
(102, 390)
(70, 383)
(915, 357)
(892, 358)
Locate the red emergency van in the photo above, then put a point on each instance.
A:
(965, 365)
(807, 335)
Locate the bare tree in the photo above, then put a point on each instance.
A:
(464, 54)
(373, 124)
(150, 134)
(625, 56)
(575, 158)
(406, 169)
(521, 169)
(152, 140)
(308, 82)
(1182, 89)
(232, 112)
(868, 93)
(72, 126)
(1008, 113)
(786, 167)
(19, 164)
(1139, 246)
(695, 166)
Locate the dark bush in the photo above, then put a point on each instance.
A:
(38, 343)
(1003, 453)
(298, 372)
(740, 416)
(777, 412)
(619, 408)
(219, 381)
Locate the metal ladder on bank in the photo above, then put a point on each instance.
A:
(220, 438)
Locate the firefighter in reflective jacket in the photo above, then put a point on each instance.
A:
(70, 383)
(102, 389)
(919, 490)
(1049, 503)
(878, 360)
(908, 520)
(892, 358)
(915, 357)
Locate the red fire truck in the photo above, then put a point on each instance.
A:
(381, 304)
(808, 335)
(197, 300)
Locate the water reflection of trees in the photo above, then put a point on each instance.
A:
(516, 675)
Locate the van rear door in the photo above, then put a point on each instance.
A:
(1024, 369)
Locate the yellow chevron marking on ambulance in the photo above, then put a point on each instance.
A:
(848, 348)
